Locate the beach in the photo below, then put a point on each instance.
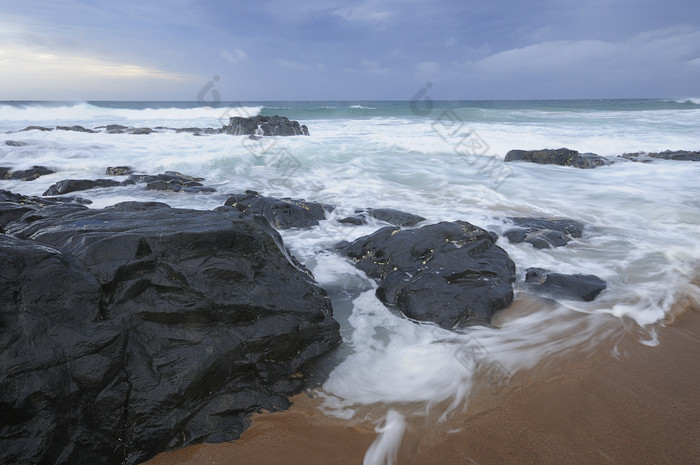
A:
(637, 408)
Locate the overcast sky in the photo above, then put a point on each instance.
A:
(339, 50)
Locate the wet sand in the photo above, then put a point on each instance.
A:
(641, 408)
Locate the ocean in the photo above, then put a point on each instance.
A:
(442, 160)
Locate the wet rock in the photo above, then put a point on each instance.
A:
(25, 175)
(543, 233)
(450, 273)
(118, 170)
(680, 155)
(264, 126)
(76, 128)
(140, 131)
(116, 128)
(562, 157)
(74, 185)
(282, 213)
(36, 128)
(16, 143)
(353, 220)
(584, 287)
(128, 336)
(14, 206)
(395, 217)
(167, 176)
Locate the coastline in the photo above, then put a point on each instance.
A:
(581, 408)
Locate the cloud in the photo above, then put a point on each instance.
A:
(298, 66)
(234, 57)
(362, 13)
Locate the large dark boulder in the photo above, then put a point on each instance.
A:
(13, 206)
(452, 274)
(584, 287)
(395, 217)
(562, 157)
(282, 213)
(543, 233)
(265, 126)
(141, 328)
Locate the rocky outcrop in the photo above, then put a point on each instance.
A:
(562, 157)
(680, 155)
(452, 274)
(584, 287)
(265, 126)
(169, 181)
(14, 206)
(543, 233)
(24, 175)
(76, 128)
(141, 328)
(282, 213)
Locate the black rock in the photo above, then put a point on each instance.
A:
(25, 175)
(116, 128)
(544, 233)
(73, 185)
(449, 273)
(14, 206)
(167, 176)
(140, 131)
(264, 126)
(584, 287)
(395, 217)
(281, 213)
(76, 128)
(16, 143)
(35, 128)
(562, 157)
(354, 220)
(118, 170)
(141, 328)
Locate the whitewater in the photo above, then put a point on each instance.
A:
(443, 161)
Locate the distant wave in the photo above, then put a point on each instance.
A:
(360, 107)
(82, 111)
(694, 101)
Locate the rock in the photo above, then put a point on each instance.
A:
(395, 217)
(76, 128)
(452, 274)
(73, 185)
(199, 131)
(167, 176)
(264, 126)
(681, 155)
(584, 287)
(25, 175)
(14, 206)
(141, 328)
(36, 128)
(116, 128)
(353, 220)
(562, 157)
(140, 131)
(282, 213)
(544, 233)
(118, 170)
(16, 143)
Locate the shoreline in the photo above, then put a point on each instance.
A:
(580, 408)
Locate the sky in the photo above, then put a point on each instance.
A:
(339, 50)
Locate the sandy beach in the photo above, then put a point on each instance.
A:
(638, 407)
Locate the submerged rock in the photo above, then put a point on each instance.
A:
(680, 155)
(265, 126)
(128, 336)
(282, 213)
(562, 157)
(395, 217)
(543, 233)
(584, 287)
(452, 274)
(24, 175)
(76, 128)
(36, 128)
(16, 143)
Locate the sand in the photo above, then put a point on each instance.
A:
(642, 407)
